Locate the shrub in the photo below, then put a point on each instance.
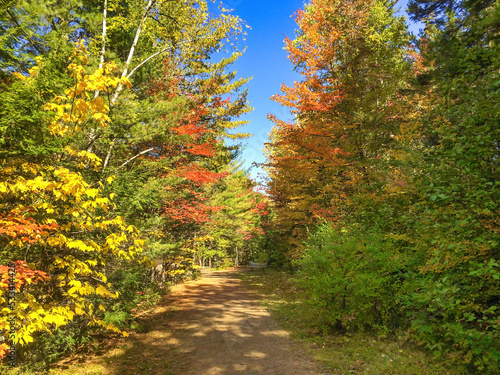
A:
(352, 278)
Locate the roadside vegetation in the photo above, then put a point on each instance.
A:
(362, 352)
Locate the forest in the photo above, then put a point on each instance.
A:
(121, 174)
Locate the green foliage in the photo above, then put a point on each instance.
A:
(449, 318)
(360, 352)
(23, 130)
(70, 125)
(457, 305)
(136, 291)
(53, 346)
(417, 189)
(235, 229)
(353, 278)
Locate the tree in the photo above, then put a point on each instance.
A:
(55, 220)
(355, 63)
(457, 303)
(237, 226)
(113, 112)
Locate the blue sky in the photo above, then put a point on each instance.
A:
(266, 61)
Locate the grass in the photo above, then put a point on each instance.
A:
(91, 369)
(359, 353)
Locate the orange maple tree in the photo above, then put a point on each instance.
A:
(354, 60)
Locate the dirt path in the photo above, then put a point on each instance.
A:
(212, 326)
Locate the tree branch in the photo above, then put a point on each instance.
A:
(136, 156)
(29, 40)
(108, 155)
(132, 49)
(103, 48)
(145, 61)
(92, 135)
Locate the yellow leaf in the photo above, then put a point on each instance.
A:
(126, 82)
(59, 320)
(92, 192)
(79, 311)
(27, 338)
(18, 76)
(101, 290)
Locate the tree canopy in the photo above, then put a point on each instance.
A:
(114, 164)
(385, 186)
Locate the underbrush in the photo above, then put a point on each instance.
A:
(77, 338)
(358, 353)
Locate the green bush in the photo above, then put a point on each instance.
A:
(353, 279)
(455, 316)
(50, 347)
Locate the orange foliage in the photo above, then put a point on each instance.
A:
(310, 160)
(205, 149)
(15, 225)
(24, 275)
(192, 210)
(200, 175)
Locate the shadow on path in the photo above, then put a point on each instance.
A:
(211, 326)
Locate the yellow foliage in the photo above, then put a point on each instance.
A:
(19, 76)
(54, 209)
(75, 109)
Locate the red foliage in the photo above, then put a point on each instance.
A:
(205, 149)
(217, 102)
(200, 175)
(190, 211)
(193, 129)
(190, 141)
(24, 275)
(16, 225)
